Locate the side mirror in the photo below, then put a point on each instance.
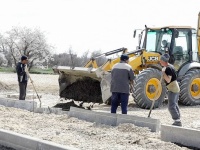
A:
(134, 34)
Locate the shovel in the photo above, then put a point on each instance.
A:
(152, 105)
(33, 86)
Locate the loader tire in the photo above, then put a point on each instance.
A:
(190, 88)
(144, 88)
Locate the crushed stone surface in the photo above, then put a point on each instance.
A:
(81, 134)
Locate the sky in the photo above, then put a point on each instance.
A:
(94, 25)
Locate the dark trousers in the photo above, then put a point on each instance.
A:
(118, 98)
(173, 105)
(22, 90)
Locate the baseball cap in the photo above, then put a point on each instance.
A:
(165, 57)
(24, 58)
(124, 57)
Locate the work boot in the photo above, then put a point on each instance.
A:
(177, 123)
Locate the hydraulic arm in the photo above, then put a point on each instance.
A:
(93, 59)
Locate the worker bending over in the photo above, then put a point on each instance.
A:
(170, 76)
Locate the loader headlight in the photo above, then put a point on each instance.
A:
(165, 29)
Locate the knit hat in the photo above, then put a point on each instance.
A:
(24, 58)
(165, 57)
(124, 57)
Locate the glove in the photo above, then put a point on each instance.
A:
(163, 69)
(26, 69)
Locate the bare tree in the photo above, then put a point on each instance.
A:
(24, 41)
(85, 57)
(3, 61)
(72, 57)
(62, 59)
(101, 60)
(3, 46)
(68, 58)
(75, 61)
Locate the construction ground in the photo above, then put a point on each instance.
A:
(81, 134)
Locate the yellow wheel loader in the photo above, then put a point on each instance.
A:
(182, 43)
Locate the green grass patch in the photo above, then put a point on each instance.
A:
(33, 70)
(7, 69)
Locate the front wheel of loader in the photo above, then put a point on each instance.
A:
(190, 88)
(147, 88)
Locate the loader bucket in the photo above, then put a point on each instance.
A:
(79, 84)
(105, 84)
(77, 71)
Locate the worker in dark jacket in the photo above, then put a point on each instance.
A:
(121, 76)
(22, 73)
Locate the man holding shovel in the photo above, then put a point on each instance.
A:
(170, 77)
(22, 73)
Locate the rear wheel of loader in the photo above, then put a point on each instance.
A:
(190, 88)
(145, 89)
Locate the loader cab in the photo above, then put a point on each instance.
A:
(184, 47)
(157, 40)
(180, 43)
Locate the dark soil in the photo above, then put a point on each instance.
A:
(5, 148)
(66, 106)
(85, 89)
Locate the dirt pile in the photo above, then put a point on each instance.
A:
(66, 106)
(85, 89)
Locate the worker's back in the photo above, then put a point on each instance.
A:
(121, 75)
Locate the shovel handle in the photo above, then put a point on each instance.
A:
(34, 88)
(151, 108)
(152, 105)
